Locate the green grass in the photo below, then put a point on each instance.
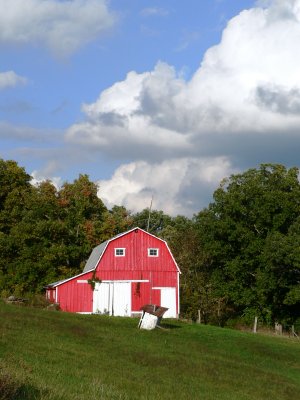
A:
(51, 355)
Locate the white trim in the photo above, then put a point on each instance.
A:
(131, 230)
(123, 251)
(163, 287)
(97, 263)
(69, 279)
(172, 257)
(178, 294)
(56, 295)
(106, 281)
(125, 280)
(84, 312)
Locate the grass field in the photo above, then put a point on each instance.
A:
(52, 355)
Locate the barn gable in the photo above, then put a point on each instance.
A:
(121, 240)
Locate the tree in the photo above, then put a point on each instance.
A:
(34, 251)
(252, 215)
(152, 221)
(116, 221)
(15, 184)
(47, 234)
(12, 177)
(83, 213)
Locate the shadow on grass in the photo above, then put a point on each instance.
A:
(12, 389)
(28, 392)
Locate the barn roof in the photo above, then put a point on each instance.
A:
(98, 251)
(95, 256)
(53, 284)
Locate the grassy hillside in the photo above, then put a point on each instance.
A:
(52, 355)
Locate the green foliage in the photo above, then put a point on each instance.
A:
(13, 179)
(94, 279)
(45, 234)
(83, 214)
(251, 233)
(156, 221)
(116, 220)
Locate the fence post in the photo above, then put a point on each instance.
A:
(255, 325)
(199, 317)
(278, 328)
(294, 333)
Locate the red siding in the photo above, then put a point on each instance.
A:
(136, 244)
(136, 265)
(143, 294)
(50, 294)
(73, 296)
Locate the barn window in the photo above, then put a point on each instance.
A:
(119, 252)
(152, 252)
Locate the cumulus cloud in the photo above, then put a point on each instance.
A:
(135, 118)
(174, 184)
(61, 26)
(244, 97)
(278, 99)
(10, 79)
(38, 177)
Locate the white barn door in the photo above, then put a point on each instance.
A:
(112, 298)
(168, 299)
(122, 299)
(102, 298)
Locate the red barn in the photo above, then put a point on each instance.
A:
(128, 271)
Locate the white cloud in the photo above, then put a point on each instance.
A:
(172, 183)
(38, 177)
(241, 108)
(62, 26)
(10, 79)
(135, 117)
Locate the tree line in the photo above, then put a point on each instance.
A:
(239, 257)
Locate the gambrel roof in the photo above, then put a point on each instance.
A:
(95, 256)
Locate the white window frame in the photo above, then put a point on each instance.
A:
(150, 249)
(123, 251)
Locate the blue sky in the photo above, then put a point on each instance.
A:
(157, 98)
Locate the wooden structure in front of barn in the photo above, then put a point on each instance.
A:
(130, 270)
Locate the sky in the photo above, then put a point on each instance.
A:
(151, 99)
